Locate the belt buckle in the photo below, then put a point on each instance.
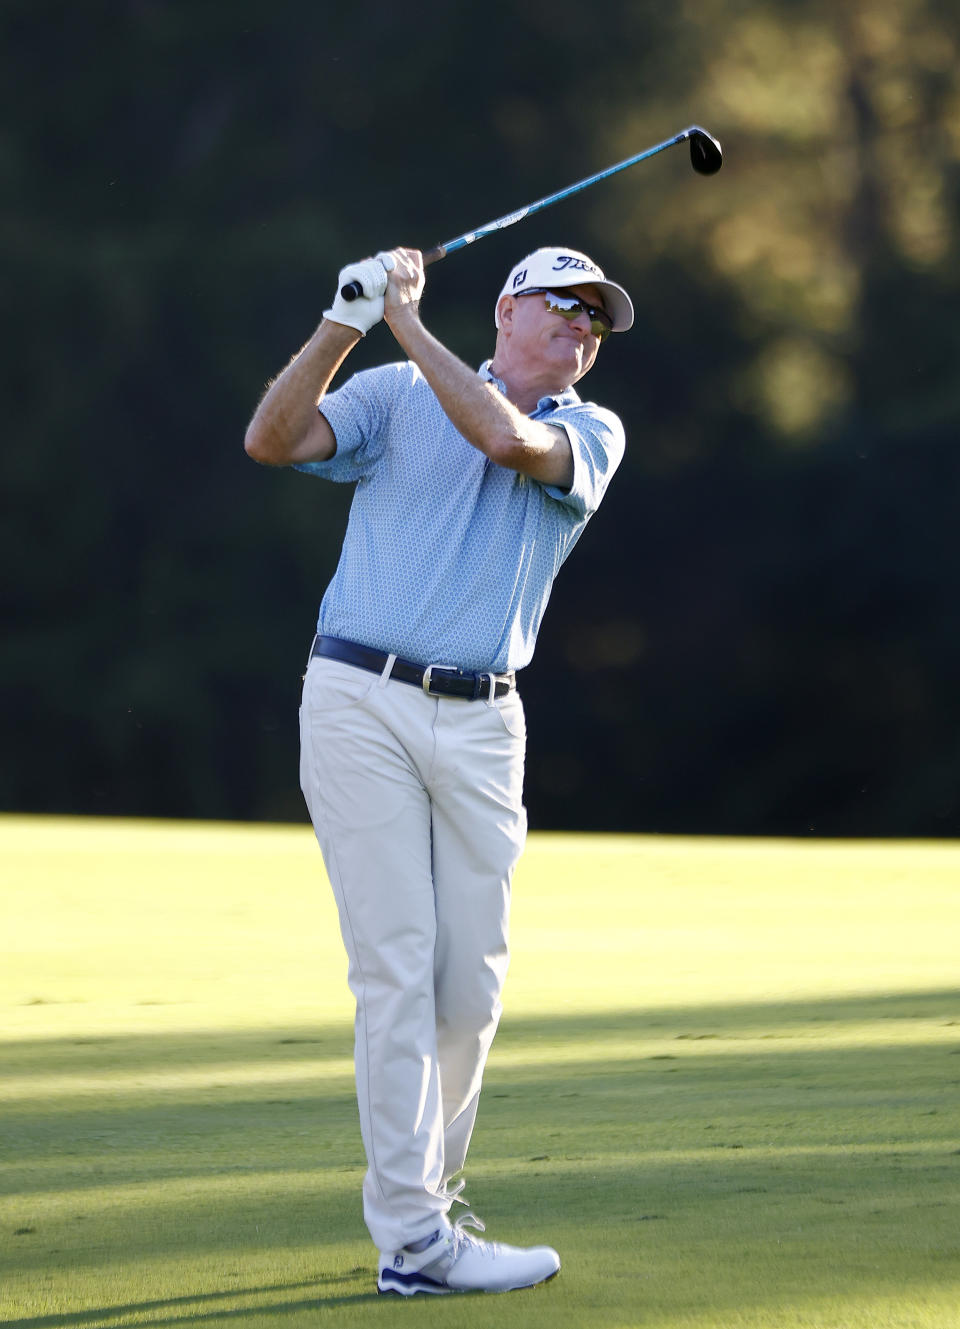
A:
(427, 683)
(428, 679)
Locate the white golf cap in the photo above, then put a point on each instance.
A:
(554, 269)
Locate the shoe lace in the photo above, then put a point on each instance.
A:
(457, 1241)
(455, 1191)
(454, 1194)
(461, 1238)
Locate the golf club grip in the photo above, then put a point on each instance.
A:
(353, 290)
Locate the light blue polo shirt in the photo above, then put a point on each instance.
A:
(449, 558)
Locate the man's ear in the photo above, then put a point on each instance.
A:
(505, 308)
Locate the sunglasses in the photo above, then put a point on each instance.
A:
(571, 307)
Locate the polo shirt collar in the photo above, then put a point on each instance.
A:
(566, 398)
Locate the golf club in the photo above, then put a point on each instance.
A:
(706, 158)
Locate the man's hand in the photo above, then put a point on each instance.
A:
(367, 310)
(404, 285)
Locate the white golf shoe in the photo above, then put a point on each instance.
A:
(459, 1262)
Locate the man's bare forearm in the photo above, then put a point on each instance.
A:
(287, 427)
(485, 417)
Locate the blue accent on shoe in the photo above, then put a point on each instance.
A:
(418, 1247)
(415, 1281)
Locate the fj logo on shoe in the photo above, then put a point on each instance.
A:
(398, 1262)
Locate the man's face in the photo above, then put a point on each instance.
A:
(552, 342)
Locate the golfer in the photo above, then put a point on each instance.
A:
(471, 488)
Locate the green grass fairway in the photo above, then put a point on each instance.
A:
(726, 1087)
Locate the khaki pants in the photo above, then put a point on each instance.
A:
(417, 806)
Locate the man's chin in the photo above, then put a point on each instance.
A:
(579, 364)
(570, 354)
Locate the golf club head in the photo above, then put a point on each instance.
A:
(705, 154)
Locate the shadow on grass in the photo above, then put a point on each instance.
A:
(171, 1052)
(731, 1127)
(287, 1087)
(208, 1305)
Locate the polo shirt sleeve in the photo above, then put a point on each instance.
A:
(357, 413)
(597, 442)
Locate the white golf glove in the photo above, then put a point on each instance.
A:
(366, 310)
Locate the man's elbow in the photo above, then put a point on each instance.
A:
(258, 444)
(551, 464)
(507, 448)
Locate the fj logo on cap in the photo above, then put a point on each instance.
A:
(519, 279)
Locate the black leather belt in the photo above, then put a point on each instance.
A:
(436, 680)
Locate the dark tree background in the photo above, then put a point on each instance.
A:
(759, 632)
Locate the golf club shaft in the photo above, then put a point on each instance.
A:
(352, 290)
